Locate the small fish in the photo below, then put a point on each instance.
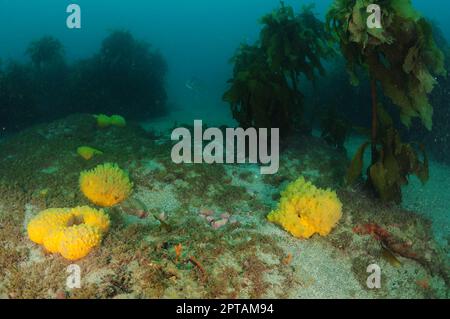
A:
(189, 85)
(193, 84)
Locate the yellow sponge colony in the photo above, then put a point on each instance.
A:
(104, 121)
(106, 185)
(118, 120)
(71, 232)
(87, 152)
(305, 210)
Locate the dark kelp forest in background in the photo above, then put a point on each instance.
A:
(397, 82)
(125, 77)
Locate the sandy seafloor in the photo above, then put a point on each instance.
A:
(431, 200)
(250, 258)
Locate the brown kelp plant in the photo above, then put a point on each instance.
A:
(402, 58)
(265, 89)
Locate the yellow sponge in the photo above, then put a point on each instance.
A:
(104, 121)
(76, 242)
(118, 120)
(71, 232)
(305, 210)
(106, 185)
(47, 220)
(87, 152)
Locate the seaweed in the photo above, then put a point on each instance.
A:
(403, 58)
(438, 141)
(265, 89)
(335, 129)
(258, 96)
(46, 50)
(126, 77)
(50, 77)
(394, 162)
(17, 97)
(295, 44)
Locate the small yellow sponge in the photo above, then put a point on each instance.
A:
(71, 232)
(118, 120)
(104, 121)
(87, 152)
(106, 185)
(305, 210)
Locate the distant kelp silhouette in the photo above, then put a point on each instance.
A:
(125, 77)
(46, 50)
(50, 77)
(18, 107)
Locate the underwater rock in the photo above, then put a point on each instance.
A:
(215, 219)
(206, 212)
(162, 216)
(219, 223)
(225, 216)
